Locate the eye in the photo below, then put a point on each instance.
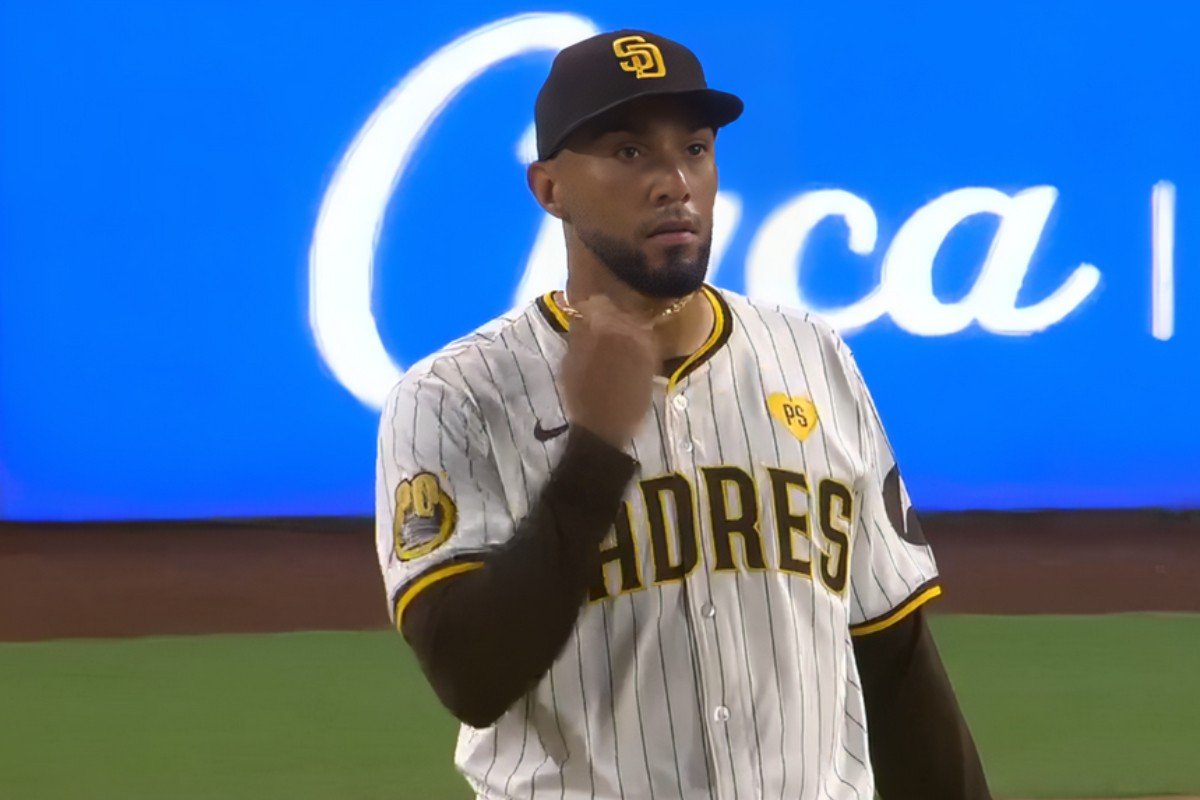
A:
(697, 149)
(628, 152)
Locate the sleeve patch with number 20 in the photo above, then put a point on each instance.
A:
(425, 516)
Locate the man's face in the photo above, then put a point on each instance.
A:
(637, 188)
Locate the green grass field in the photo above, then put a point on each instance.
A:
(1060, 706)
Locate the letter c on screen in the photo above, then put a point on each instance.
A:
(342, 255)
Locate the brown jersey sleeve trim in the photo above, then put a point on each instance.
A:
(923, 594)
(426, 579)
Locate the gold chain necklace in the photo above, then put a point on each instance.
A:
(669, 311)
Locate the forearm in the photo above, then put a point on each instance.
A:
(921, 747)
(486, 637)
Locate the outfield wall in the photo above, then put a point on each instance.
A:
(129, 579)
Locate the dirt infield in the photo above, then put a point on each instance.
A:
(130, 579)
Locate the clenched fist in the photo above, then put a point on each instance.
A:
(608, 372)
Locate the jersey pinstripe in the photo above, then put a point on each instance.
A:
(766, 525)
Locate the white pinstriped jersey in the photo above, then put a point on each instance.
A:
(765, 525)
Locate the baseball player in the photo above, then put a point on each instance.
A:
(646, 537)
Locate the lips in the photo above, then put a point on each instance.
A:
(674, 232)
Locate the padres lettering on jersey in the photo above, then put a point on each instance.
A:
(766, 525)
(730, 497)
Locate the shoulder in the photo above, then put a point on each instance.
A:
(449, 369)
(759, 317)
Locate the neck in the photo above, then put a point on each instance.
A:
(678, 334)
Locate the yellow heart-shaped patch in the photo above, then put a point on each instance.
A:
(798, 414)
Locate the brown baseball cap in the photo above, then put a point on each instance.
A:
(598, 74)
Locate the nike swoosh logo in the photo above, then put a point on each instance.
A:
(546, 434)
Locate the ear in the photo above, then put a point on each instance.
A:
(544, 187)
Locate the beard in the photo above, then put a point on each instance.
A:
(678, 276)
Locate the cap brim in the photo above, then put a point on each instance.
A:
(718, 108)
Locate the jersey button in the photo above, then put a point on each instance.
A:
(708, 610)
(680, 402)
(686, 445)
(720, 714)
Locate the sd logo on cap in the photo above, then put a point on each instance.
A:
(638, 55)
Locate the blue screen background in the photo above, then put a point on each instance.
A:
(162, 166)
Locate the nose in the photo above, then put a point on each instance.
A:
(672, 183)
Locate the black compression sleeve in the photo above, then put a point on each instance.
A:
(921, 748)
(485, 637)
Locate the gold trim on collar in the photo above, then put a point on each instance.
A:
(554, 315)
(722, 327)
(718, 336)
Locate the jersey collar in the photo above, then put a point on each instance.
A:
(721, 330)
